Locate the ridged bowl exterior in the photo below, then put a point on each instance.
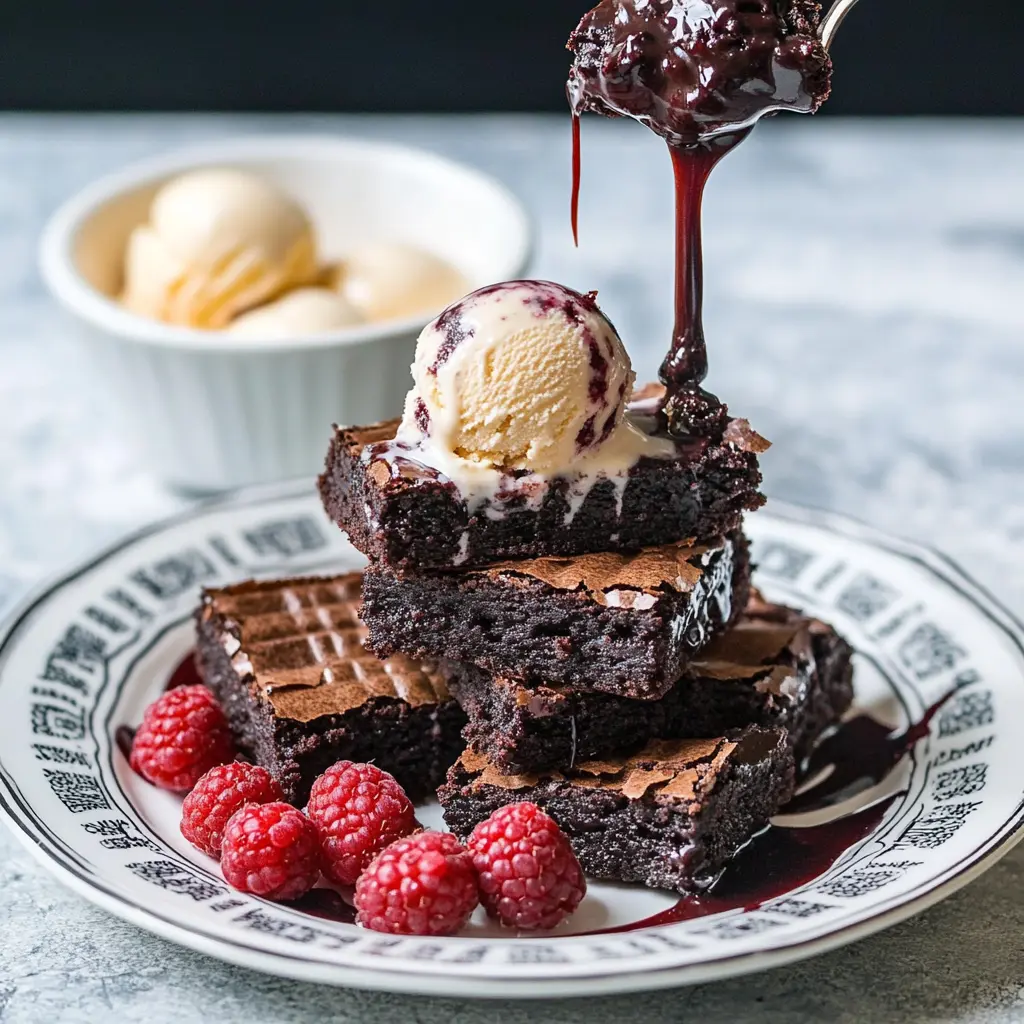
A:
(213, 419)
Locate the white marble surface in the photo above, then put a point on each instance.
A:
(864, 294)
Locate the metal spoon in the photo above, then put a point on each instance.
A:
(839, 10)
(826, 32)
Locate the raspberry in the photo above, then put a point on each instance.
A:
(358, 810)
(421, 885)
(529, 876)
(271, 850)
(217, 795)
(183, 735)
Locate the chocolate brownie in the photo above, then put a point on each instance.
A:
(671, 816)
(775, 667)
(404, 515)
(286, 660)
(616, 623)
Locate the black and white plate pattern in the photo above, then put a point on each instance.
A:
(88, 652)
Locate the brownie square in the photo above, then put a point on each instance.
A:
(610, 622)
(404, 515)
(285, 658)
(774, 667)
(670, 816)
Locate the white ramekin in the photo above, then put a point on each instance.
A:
(217, 411)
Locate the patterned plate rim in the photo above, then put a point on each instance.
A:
(391, 979)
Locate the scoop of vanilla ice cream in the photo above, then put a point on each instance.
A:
(387, 281)
(218, 241)
(521, 375)
(303, 311)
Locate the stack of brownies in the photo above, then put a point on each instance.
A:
(599, 647)
(612, 660)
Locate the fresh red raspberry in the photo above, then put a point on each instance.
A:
(421, 885)
(183, 735)
(358, 810)
(529, 876)
(271, 850)
(217, 795)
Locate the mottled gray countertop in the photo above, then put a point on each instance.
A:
(865, 309)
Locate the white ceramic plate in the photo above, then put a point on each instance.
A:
(91, 650)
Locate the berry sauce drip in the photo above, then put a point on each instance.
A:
(698, 73)
(186, 673)
(326, 904)
(124, 736)
(574, 203)
(861, 753)
(774, 863)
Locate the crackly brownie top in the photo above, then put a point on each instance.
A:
(665, 771)
(299, 642)
(770, 644)
(619, 580)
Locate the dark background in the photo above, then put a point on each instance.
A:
(893, 56)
